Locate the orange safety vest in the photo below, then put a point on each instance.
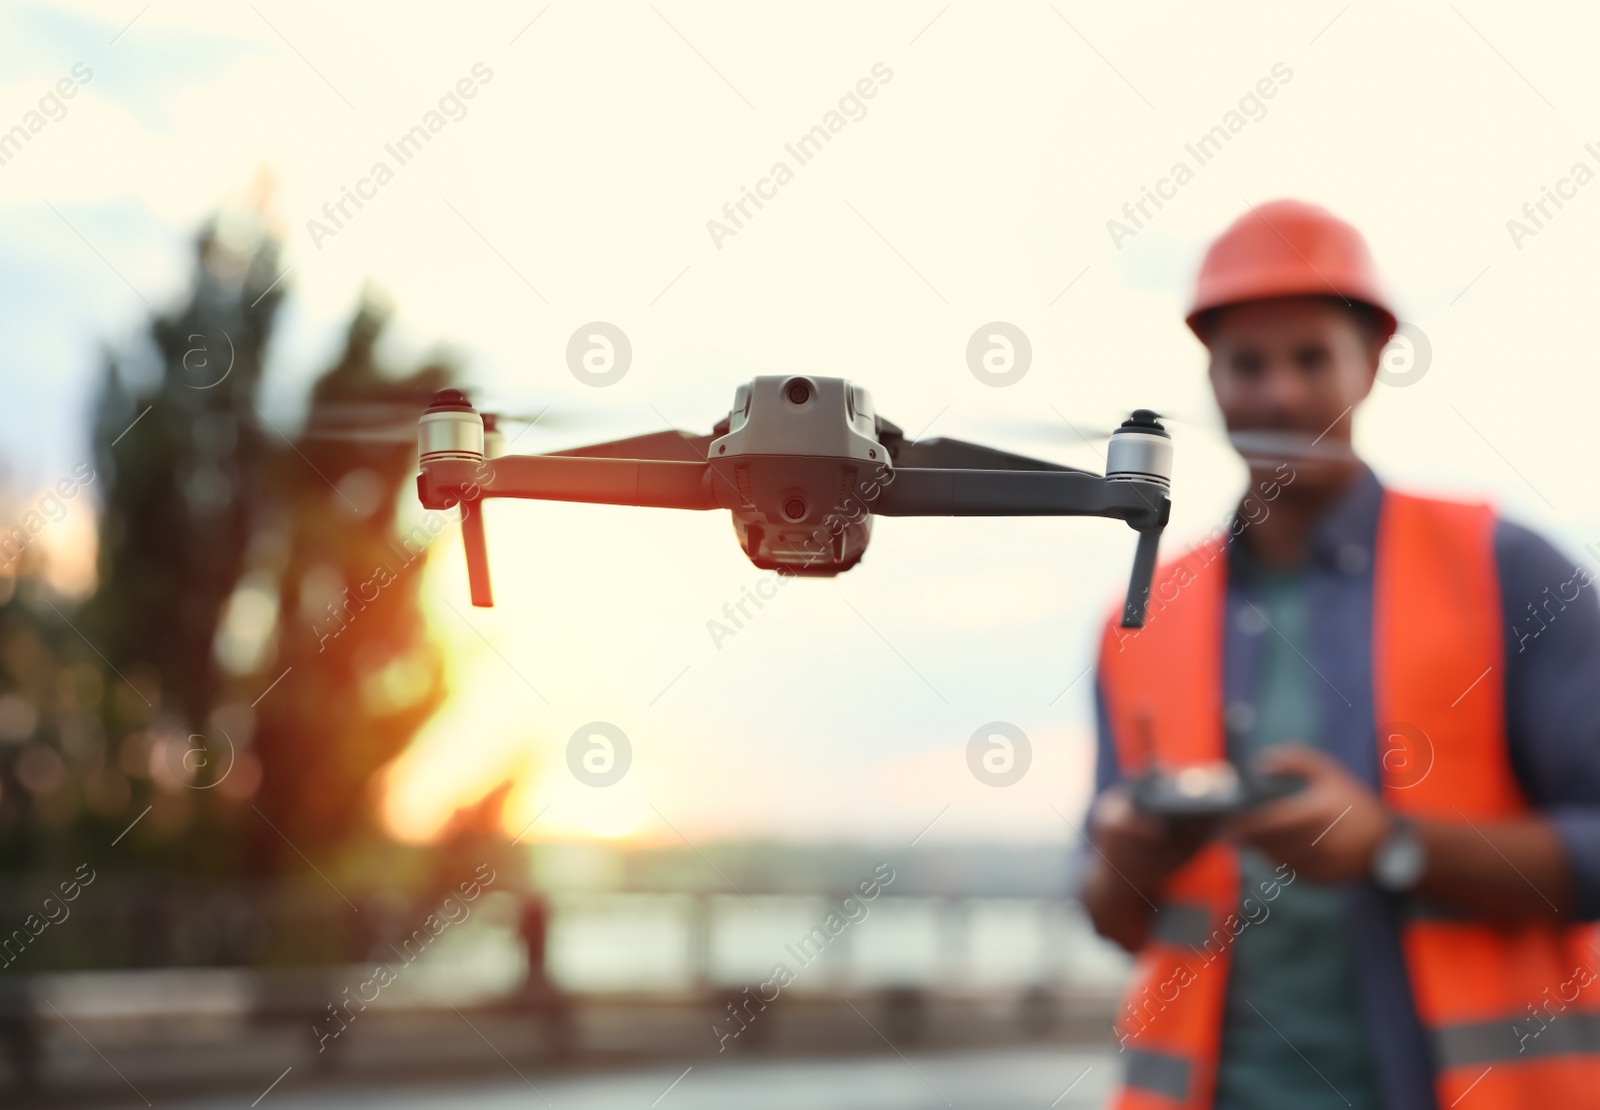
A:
(1508, 1009)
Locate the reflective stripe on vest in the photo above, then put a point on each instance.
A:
(1512, 1012)
(1158, 1073)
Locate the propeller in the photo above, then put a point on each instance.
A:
(1261, 444)
(1271, 446)
(396, 421)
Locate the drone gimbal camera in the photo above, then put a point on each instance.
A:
(803, 464)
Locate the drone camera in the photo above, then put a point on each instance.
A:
(798, 390)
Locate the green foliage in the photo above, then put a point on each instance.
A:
(206, 694)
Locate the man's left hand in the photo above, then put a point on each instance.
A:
(1328, 830)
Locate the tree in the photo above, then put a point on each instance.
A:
(183, 464)
(361, 676)
(229, 696)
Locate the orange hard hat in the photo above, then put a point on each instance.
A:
(1287, 248)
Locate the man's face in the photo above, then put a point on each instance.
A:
(1295, 365)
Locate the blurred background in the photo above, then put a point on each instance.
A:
(283, 818)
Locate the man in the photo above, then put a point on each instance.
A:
(1408, 929)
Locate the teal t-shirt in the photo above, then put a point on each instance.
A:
(1292, 1032)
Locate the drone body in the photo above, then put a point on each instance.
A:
(802, 459)
(803, 464)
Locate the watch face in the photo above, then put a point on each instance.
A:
(1398, 863)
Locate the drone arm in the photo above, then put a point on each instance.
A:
(1144, 505)
(447, 482)
(643, 482)
(930, 492)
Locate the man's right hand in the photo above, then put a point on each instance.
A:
(1135, 852)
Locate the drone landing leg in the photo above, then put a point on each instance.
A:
(472, 538)
(1144, 570)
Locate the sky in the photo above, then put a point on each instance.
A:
(977, 182)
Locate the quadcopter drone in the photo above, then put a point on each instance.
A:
(803, 464)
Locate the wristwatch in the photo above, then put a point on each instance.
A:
(1398, 863)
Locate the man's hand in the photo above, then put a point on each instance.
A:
(1135, 851)
(1328, 830)
(1141, 848)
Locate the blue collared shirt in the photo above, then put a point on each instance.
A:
(1551, 660)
